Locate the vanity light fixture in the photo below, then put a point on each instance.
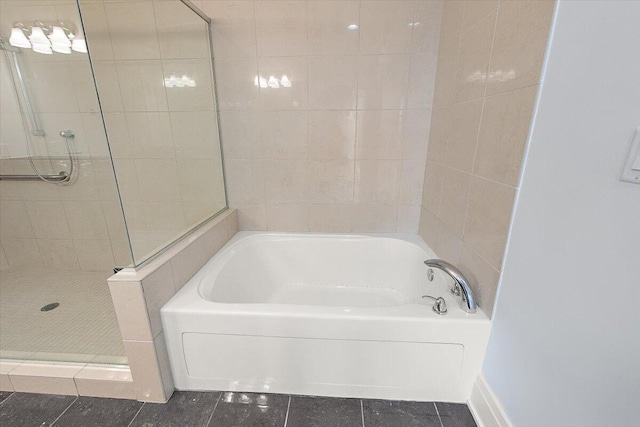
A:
(175, 81)
(273, 82)
(491, 77)
(59, 37)
(79, 45)
(47, 38)
(37, 36)
(19, 39)
(260, 82)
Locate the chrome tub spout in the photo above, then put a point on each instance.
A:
(461, 286)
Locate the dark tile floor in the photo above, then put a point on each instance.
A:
(222, 409)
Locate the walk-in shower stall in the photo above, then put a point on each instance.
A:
(110, 152)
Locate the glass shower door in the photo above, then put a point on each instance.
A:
(154, 73)
(110, 153)
(61, 234)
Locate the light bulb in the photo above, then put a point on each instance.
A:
(171, 81)
(79, 45)
(352, 26)
(273, 83)
(18, 39)
(61, 48)
(181, 82)
(263, 82)
(58, 36)
(284, 81)
(37, 36)
(187, 81)
(42, 48)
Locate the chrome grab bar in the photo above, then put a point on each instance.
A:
(61, 177)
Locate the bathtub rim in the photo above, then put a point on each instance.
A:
(189, 299)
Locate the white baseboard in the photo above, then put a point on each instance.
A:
(485, 406)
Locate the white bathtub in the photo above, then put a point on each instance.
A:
(321, 314)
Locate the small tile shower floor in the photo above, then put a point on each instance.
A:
(83, 328)
(224, 409)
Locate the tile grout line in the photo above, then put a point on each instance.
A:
(136, 415)
(307, 202)
(306, 116)
(480, 122)
(438, 412)
(355, 133)
(286, 417)
(8, 397)
(404, 115)
(214, 409)
(493, 95)
(472, 175)
(66, 409)
(362, 412)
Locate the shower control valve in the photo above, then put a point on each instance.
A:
(440, 305)
(67, 134)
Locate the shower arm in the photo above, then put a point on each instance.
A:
(36, 130)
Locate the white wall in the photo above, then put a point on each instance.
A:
(565, 346)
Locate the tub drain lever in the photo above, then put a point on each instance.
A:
(440, 305)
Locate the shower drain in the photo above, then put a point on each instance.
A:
(50, 307)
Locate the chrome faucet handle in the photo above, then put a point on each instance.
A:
(440, 305)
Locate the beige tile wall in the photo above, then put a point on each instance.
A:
(138, 296)
(343, 149)
(489, 64)
(164, 140)
(75, 226)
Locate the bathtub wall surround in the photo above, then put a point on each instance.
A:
(139, 294)
(259, 329)
(489, 64)
(325, 109)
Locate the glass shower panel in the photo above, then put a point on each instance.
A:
(59, 240)
(153, 67)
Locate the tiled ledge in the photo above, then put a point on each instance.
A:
(138, 296)
(96, 359)
(79, 379)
